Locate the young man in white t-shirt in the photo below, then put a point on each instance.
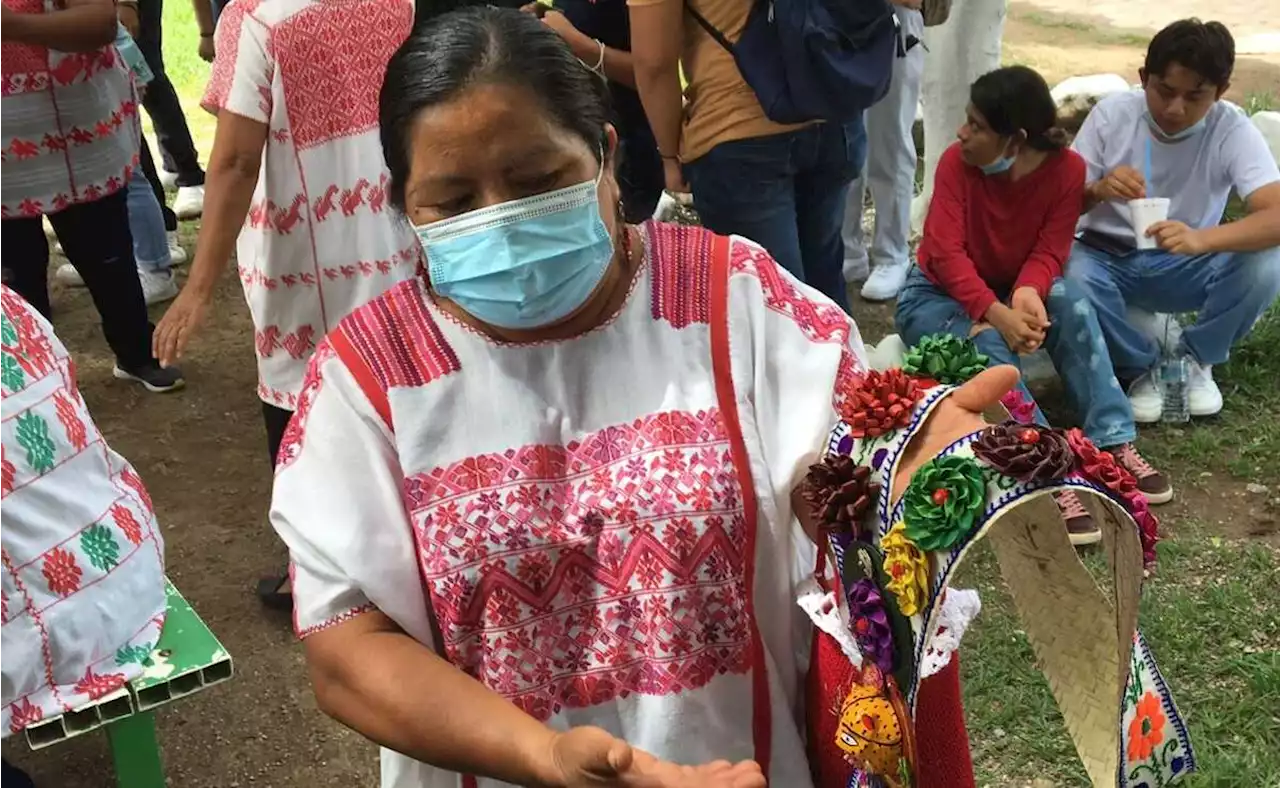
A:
(1195, 149)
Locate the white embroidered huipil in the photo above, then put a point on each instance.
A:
(577, 512)
(83, 559)
(319, 239)
(68, 124)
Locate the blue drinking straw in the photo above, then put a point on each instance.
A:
(1146, 167)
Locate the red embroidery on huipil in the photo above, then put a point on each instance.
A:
(679, 258)
(285, 219)
(332, 70)
(849, 374)
(341, 618)
(7, 472)
(353, 198)
(24, 713)
(127, 523)
(291, 440)
(61, 572)
(129, 477)
(77, 434)
(231, 26)
(398, 340)
(34, 350)
(324, 203)
(97, 686)
(569, 576)
(820, 322)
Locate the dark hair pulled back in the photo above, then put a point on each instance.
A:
(1016, 98)
(453, 48)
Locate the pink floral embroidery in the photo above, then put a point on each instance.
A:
(570, 576)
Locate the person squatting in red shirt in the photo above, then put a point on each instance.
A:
(1006, 199)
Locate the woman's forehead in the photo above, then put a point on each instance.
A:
(487, 121)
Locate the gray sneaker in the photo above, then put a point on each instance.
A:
(153, 377)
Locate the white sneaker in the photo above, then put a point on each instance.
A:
(177, 255)
(1203, 396)
(169, 180)
(189, 203)
(157, 288)
(68, 275)
(856, 269)
(885, 281)
(1146, 400)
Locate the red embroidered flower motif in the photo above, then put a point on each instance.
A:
(77, 435)
(882, 403)
(24, 713)
(7, 472)
(61, 572)
(127, 523)
(1146, 730)
(97, 686)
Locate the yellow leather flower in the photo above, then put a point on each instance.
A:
(907, 568)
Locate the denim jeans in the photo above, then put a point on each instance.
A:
(146, 224)
(1074, 341)
(787, 193)
(1230, 291)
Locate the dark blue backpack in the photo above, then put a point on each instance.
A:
(815, 59)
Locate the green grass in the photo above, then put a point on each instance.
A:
(1209, 617)
(1082, 26)
(188, 73)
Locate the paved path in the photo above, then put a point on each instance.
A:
(1254, 23)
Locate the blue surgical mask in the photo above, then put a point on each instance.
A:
(998, 166)
(525, 263)
(1161, 136)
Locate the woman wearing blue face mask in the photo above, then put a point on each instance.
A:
(539, 499)
(1006, 198)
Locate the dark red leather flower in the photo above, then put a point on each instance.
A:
(1148, 525)
(1103, 469)
(882, 403)
(1025, 452)
(839, 493)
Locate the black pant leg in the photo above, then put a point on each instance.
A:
(275, 420)
(177, 150)
(25, 255)
(96, 239)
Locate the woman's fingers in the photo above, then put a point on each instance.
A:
(984, 390)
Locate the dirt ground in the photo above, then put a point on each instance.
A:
(202, 453)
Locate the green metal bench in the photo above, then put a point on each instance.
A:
(187, 659)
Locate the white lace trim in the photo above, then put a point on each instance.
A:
(959, 608)
(825, 613)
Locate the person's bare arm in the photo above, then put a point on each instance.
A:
(366, 670)
(230, 179)
(616, 64)
(657, 35)
(1260, 229)
(204, 23)
(83, 27)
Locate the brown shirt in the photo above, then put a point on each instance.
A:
(720, 106)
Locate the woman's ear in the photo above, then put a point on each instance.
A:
(610, 145)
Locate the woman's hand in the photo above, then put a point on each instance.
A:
(592, 758)
(1028, 301)
(1022, 331)
(179, 323)
(956, 416)
(673, 174)
(205, 49)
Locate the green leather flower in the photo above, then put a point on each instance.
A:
(945, 358)
(943, 501)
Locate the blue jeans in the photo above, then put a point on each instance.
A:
(1074, 342)
(1229, 290)
(146, 224)
(787, 193)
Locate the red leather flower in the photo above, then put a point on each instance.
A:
(1148, 525)
(882, 403)
(1084, 449)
